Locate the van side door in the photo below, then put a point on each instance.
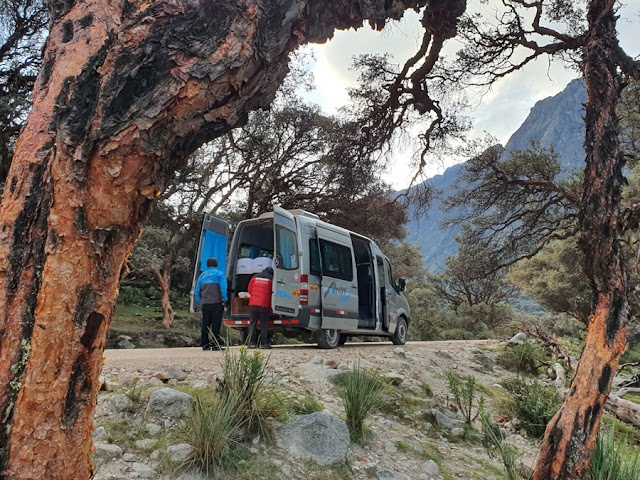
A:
(213, 243)
(286, 269)
(392, 297)
(339, 288)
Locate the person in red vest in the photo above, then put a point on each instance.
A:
(260, 307)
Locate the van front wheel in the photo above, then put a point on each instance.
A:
(328, 338)
(400, 335)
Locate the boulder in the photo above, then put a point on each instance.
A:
(319, 437)
(168, 402)
(179, 453)
(482, 359)
(153, 429)
(517, 339)
(146, 443)
(126, 344)
(130, 457)
(105, 452)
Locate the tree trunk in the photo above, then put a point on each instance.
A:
(570, 437)
(164, 280)
(127, 90)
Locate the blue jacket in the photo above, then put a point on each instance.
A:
(211, 287)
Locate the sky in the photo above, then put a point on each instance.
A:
(498, 111)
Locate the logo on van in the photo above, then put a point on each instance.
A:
(334, 289)
(284, 294)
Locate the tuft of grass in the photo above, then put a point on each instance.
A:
(493, 442)
(533, 404)
(246, 378)
(213, 430)
(306, 406)
(426, 389)
(403, 447)
(527, 357)
(613, 459)
(361, 392)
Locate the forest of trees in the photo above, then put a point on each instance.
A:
(127, 92)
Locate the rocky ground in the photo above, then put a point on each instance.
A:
(416, 435)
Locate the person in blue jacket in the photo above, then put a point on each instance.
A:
(211, 292)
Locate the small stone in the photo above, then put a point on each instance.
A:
(317, 359)
(143, 470)
(146, 443)
(126, 344)
(101, 380)
(127, 380)
(155, 455)
(100, 434)
(153, 429)
(130, 457)
(155, 382)
(518, 339)
(386, 475)
(389, 448)
(176, 373)
(201, 385)
(395, 378)
(120, 403)
(445, 421)
(111, 386)
(332, 364)
(476, 367)
(457, 432)
(106, 452)
(431, 469)
(179, 453)
(169, 403)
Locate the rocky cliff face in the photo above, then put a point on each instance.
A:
(555, 121)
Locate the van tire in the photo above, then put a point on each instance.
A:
(343, 339)
(328, 338)
(400, 335)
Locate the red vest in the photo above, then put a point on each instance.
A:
(260, 291)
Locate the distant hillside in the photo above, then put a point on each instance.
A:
(555, 121)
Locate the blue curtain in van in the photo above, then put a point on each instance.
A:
(215, 245)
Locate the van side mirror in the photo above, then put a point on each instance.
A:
(402, 284)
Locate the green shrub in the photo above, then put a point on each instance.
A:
(360, 392)
(533, 404)
(133, 296)
(245, 376)
(613, 459)
(464, 395)
(213, 429)
(527, 357)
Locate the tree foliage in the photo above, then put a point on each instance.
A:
(22, 32)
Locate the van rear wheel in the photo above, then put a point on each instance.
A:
(328, 338)
(400, 335)
(343, 339)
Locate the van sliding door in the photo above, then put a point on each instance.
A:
(213, 244)
(339, 282)
(286, 270)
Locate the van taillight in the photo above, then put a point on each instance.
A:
(304, 290)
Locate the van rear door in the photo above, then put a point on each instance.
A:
(286, 271)
(213, 243)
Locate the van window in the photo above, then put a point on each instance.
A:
(287, 248)
(336, 260)
(392, 282)
(315, 267)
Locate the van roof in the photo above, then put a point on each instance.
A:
(296, 213)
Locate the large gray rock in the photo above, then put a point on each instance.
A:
(100, 434)
(319, 437)
(105, 452)
(385, 475)
(169, 403)
(143, 470)
(431, 469)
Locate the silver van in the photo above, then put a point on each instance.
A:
(326, 279)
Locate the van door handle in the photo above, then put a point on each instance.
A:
(281, 282)
(354, 287)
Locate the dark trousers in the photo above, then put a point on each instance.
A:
(259, 316)
(211, 320)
